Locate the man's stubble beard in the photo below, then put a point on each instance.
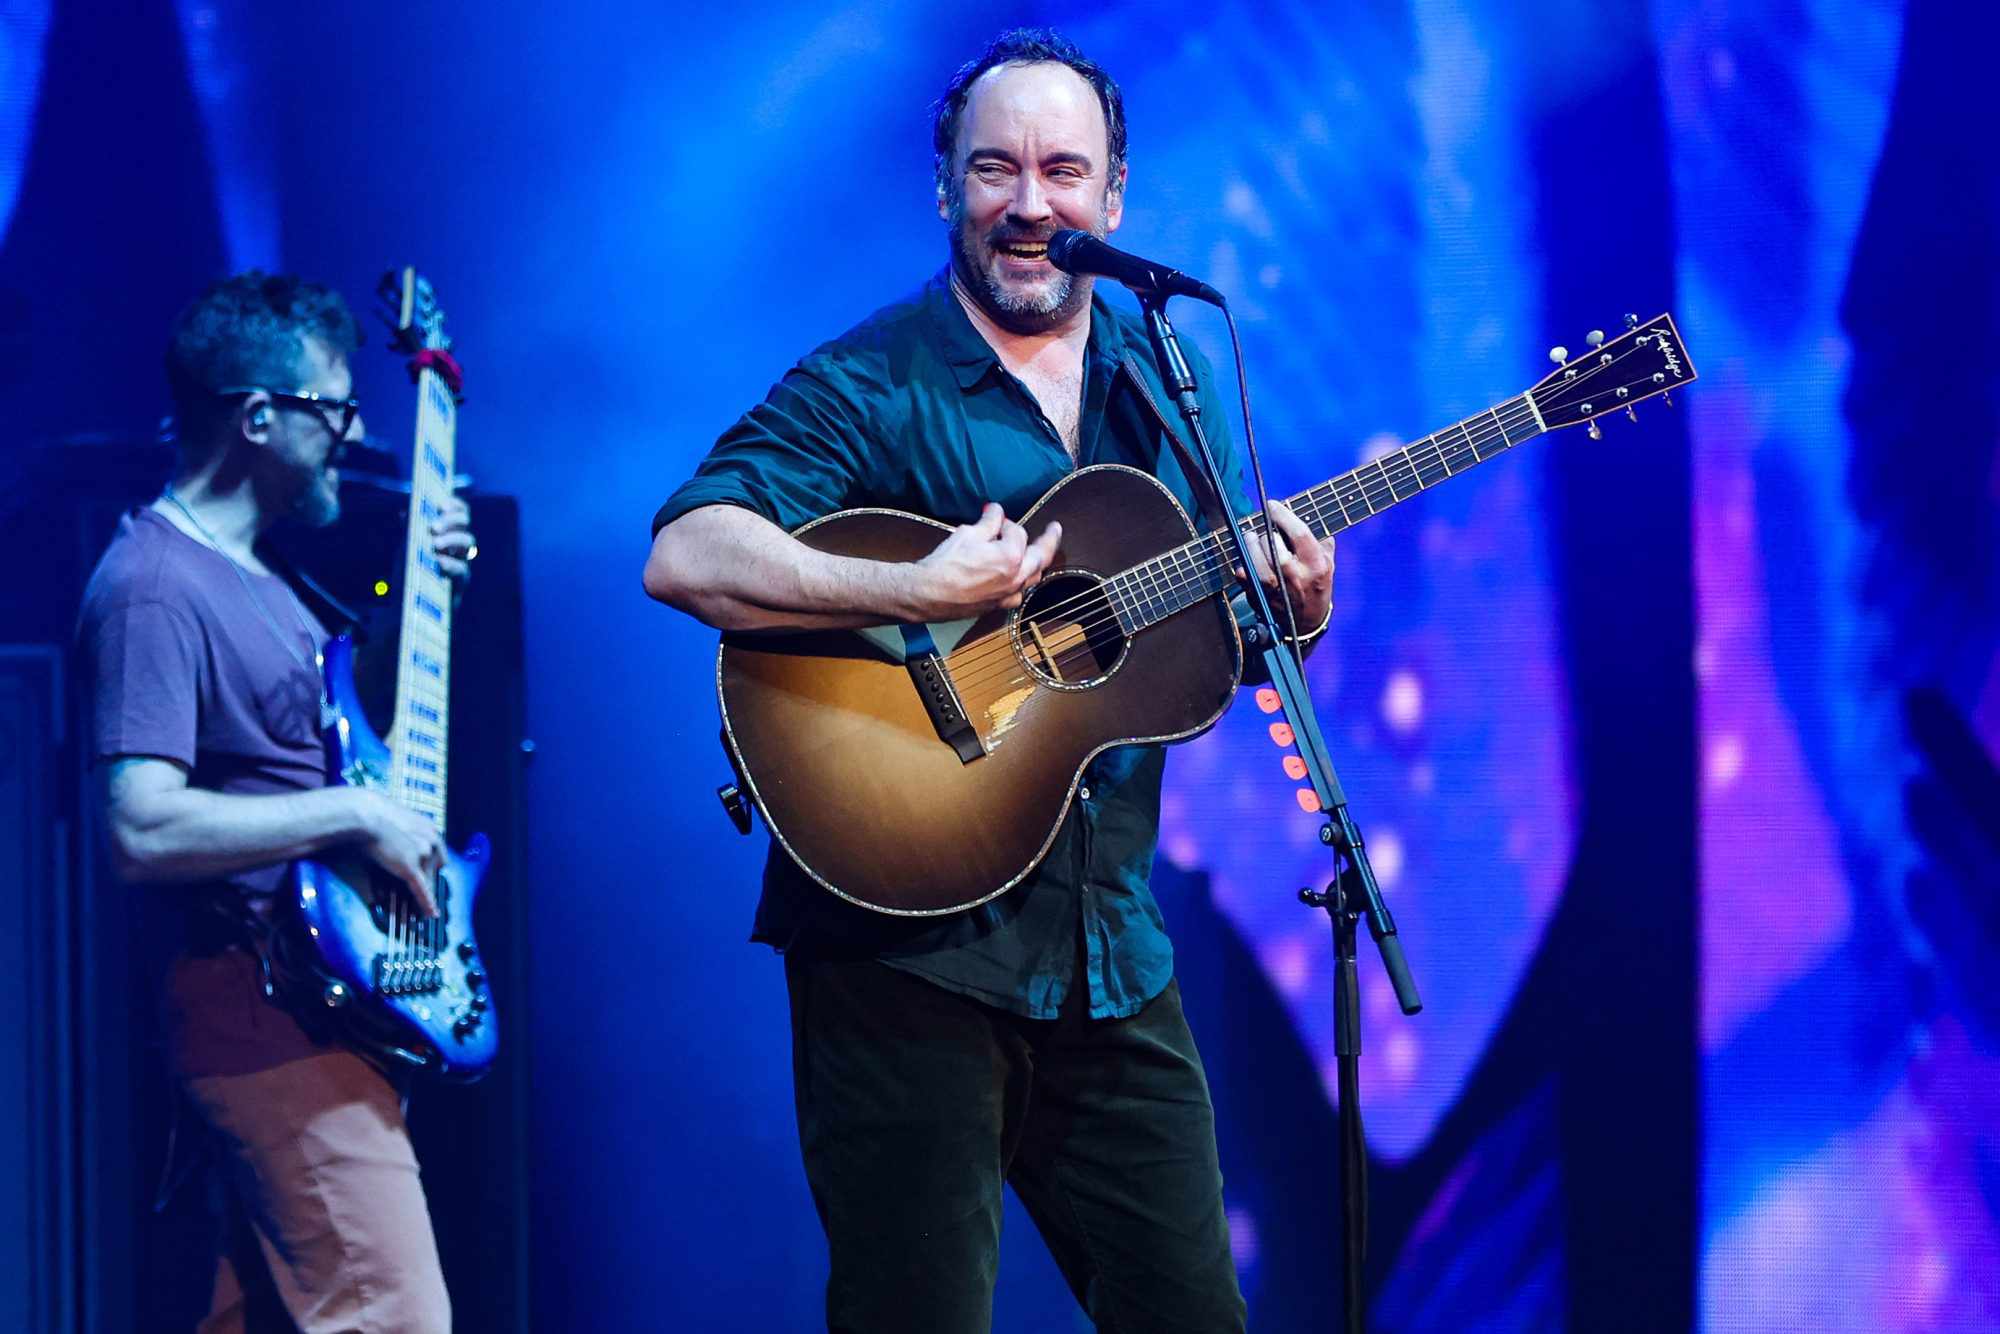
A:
(319, 507)
(1017, 312)
(317, 504)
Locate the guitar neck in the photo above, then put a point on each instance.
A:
(419, 739)
(1154, 590)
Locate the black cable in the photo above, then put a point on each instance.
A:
(1263, 497)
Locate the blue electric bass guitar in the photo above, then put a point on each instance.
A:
(409, 987)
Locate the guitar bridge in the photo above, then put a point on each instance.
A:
(412, 973)
(934, 686)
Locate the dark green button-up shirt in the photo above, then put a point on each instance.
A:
(912, 410)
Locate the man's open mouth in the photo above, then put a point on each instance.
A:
(1024, 250)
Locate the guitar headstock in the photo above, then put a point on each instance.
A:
(416, 323)
(1645, 361)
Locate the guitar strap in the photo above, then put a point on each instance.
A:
(1197, 476)
(333, 614)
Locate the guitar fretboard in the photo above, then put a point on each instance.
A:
(1154, 590)
(419, 740)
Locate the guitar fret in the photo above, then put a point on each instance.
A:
(1123, 605)
(1471, 445)
(1413, 484)
(421, 744)
(1186, 574)
(1155, 589)
(1333, 494)
(1382, 476)
(1128, 593)
(1316, 518)
(1353, 492)
(1431, 473)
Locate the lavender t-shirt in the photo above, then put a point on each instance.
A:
(181, 665)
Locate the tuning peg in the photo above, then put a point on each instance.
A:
(1559, 355)
(1595, 431)
(1631, 321)
(1666, 398)
(1631, 413)
(1595, 338)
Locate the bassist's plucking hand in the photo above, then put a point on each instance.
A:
(404, 843)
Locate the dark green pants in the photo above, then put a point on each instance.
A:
(915, 1104)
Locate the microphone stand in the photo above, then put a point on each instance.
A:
(1353, 891)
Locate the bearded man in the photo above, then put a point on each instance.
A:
(201, 659)
(1037, 1040)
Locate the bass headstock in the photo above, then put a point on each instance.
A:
(416, 322)
(1648, 360)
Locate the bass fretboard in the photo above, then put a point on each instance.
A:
(419, 740)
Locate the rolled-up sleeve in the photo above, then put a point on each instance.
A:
(803, 452)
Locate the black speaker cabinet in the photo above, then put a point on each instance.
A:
(38, 1162)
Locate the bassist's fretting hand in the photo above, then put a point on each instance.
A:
(453, 543)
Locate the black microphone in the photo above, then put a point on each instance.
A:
(1078, 252)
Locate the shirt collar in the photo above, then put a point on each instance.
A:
(971, 357)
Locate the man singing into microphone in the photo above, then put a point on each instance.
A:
(1037, 1040)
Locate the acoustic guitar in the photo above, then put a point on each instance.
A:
(919, 770)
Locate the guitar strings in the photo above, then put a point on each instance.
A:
(1195, 563)
(1410, 456)
(423, 935)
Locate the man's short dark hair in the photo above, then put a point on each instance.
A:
(250, 329)
(1024, 46)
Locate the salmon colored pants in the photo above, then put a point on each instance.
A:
(333, 1235)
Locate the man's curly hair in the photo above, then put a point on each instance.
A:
(250, 329)
(1023, 46)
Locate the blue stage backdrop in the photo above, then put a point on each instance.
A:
(1676, 752)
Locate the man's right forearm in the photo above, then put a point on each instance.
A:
(193, 834)
(736, 570)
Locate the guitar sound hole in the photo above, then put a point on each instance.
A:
(1067, 632)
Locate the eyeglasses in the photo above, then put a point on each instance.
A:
(347, 408)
